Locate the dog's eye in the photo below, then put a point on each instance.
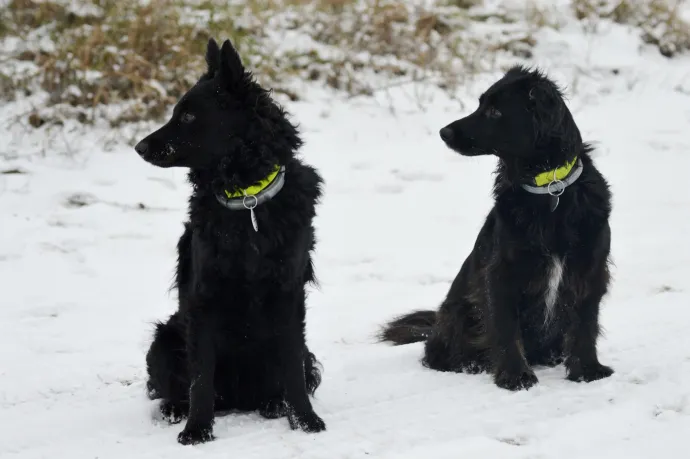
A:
(493, 113)
(187, 118)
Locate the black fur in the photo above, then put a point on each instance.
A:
(494, 316)
(237, 340)
(410, 328)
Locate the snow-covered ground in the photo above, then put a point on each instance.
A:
(87, 243)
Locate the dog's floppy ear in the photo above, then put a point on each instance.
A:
(548, 109)
(231, 68)
(212, 58)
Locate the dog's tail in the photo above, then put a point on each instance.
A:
(410, 328)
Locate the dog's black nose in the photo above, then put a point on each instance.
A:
(141, 148)
(446, 134)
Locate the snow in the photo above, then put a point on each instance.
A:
(85, 271)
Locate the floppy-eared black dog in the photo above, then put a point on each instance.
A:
(237, 340)
(530, 290)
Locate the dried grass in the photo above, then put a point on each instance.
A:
(659, 20)
(141, 56)
(129, 60)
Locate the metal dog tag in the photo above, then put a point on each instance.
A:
(252, 216)
(555, 189)
(255, 224)
(554, 202)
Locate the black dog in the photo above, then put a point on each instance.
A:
(529, 292)
(237, 340)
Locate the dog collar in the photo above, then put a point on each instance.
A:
(554, 182)
(255, 195)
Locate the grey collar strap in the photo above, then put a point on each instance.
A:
(556, 187)
(249, 202)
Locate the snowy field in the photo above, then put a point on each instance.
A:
(87, 242)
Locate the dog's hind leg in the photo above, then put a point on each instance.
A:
(457, 342)
(436, 353)
(167, 370)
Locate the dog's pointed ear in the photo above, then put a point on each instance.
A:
(212, 58)
(231, 68)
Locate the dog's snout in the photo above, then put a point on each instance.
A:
(446, 134)
(141, 148)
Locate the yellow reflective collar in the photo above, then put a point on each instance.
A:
(256, 188)
(555, 174)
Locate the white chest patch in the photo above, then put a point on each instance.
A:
(555, 276)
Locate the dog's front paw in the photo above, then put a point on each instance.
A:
(515, 380)
(195, 435)
(273, 409)
(308, 422)
(589, 373)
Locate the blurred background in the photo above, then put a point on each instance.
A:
(124, 61)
